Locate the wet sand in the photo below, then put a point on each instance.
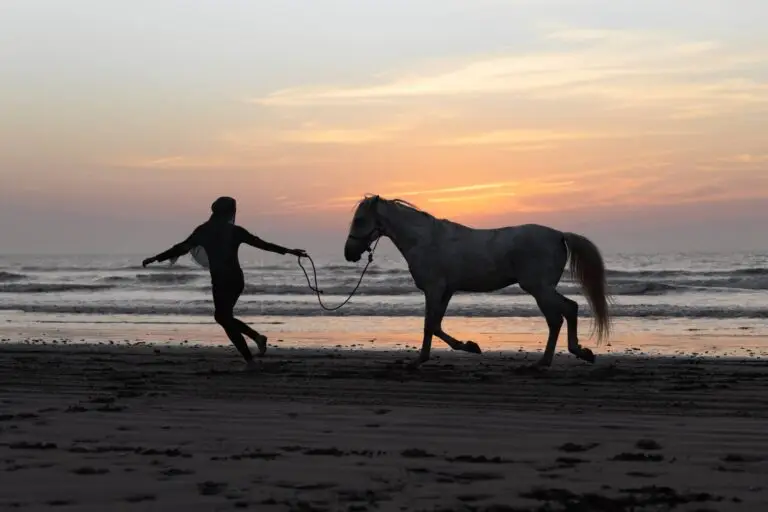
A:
(93, 428)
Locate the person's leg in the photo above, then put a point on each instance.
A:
(224, 300)
(258, 338)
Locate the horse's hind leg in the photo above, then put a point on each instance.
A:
(552, 307)
(571, 313)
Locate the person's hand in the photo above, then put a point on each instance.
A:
(147, 261)
(301, 253)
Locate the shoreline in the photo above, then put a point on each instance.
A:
(398, 333)
(224, 350)
(150, 427)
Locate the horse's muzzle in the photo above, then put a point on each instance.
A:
(351, 256)
(352, 251)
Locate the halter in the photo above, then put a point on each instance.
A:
(369, 238)
(376, 230)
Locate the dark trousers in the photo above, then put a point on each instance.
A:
(226, 292)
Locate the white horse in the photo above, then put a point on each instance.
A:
(445, 257)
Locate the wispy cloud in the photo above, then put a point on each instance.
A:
(476, 192)
(684, 100)
(616, 65)
(432, 191)
(526, 138)
(176, 162)
(659, 75)
(470, 198)
(311, 134)
(220, 160)
(614, 36)
(287, 209)
(361, 130)
(746, 158)
(738, 167)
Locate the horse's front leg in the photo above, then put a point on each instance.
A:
(434, 310)
(466, 346)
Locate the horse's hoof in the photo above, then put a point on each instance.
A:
(472, 347)
(587, 355)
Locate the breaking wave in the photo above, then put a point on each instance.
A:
(279, 308)
(11, 276)
(51, 287)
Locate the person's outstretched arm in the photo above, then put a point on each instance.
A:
(174, 252)
(249, 238)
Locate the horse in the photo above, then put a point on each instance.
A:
(445, 257)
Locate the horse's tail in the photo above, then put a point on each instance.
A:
(588, 268)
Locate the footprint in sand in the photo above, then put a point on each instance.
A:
(140, 498)
(647, 444)
(209, 488)
(88, 470)
(60, 503)
(416, 453)
(638, 457)
(576, 448)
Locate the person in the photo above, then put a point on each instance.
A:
(221, 238)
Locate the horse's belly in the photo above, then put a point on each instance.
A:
(468, 268)
(485, 284)
(487, 277)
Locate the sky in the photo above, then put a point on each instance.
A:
(641, 125)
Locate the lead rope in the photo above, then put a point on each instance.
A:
(318, 291)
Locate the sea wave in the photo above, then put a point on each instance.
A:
(278, 308)
(51, 287)
(379, 267)
(167, 278)
(736, 272)
(341, 285)
(407, 287)
(11, 276)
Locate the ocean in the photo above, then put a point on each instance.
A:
(668, 294)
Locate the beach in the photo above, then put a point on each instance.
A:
(140, 426)
(118, 391)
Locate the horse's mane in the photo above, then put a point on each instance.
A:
(400, 202)
(407, 204)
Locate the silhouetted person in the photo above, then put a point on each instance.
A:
(221, 239)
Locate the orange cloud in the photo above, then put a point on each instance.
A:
(523, 137)
(746, 158)
(604, 63)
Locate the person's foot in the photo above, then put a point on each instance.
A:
(261, 342)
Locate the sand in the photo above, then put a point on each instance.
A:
(95, 428)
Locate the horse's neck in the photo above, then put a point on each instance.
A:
(406, 228)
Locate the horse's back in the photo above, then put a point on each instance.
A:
(502, 242)
(520, 237)
(481, 260)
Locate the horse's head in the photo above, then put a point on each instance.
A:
(364, 229)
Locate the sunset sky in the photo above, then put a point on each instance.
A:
(643, 125)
